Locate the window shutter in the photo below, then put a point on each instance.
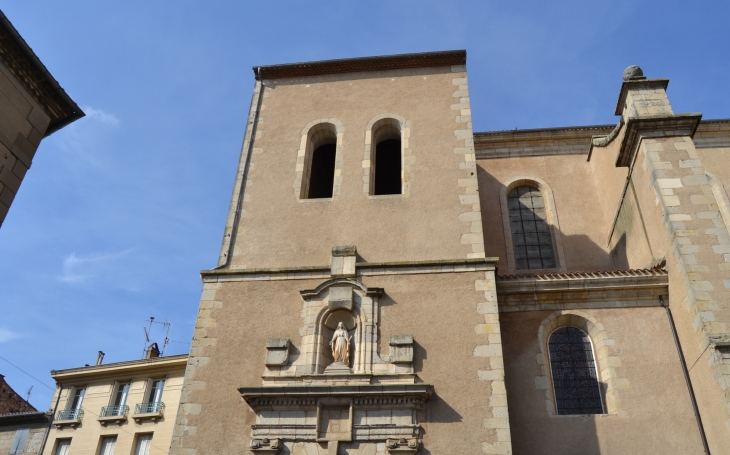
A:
(19, 440)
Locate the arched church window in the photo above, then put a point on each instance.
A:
(387, 157)
(318, 182)
(573, 367)
(533, 245)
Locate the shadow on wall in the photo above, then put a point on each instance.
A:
(533, 430)
(579, 251)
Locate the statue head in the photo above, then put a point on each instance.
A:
(340, 326)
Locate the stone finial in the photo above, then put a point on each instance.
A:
(633, 73)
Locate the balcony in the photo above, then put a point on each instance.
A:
(70, 417)
(116, 414)
(149, 411)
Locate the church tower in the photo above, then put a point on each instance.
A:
(353, 309)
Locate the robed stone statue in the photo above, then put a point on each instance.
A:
(341, 345)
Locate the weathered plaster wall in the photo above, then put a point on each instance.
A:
(434, 219)
(656, 414)
(452, 317)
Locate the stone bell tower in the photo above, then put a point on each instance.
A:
(353, 309)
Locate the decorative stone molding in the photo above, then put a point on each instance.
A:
(582, 290)
(266, 446)
(552, 221)
(402, 446)
(536, 142)
(662, 125)
(605, 356)
(277, 351)
(316, 133)
(387, 126)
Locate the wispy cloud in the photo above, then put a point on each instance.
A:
(7, 335)
(100, 116)
(80, 269)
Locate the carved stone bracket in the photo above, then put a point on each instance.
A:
(277, 351)
(401, 348)
(402, 446)
(266, 446)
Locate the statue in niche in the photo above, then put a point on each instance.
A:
(341, 344)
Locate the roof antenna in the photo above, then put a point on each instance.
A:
(27, 394)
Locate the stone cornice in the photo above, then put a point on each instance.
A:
(636, 85)
(296, 396)
(654, 126)
(362, 269)
(173, 362)
(713, 133)
(537, 142)
(604, 289)
(362, 64)
(27, 68)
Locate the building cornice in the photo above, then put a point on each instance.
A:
(713, 133)
(654, 126)
(361, 64)
(173, 362)
(24, 418)
(575, 140)
(601, 289)
(296, 395)
(27, 68)
(362, 269)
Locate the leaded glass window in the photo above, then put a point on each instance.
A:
(531, 239)
(574, 372)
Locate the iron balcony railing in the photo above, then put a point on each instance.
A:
(150, 408)
(114, 411)
(70, 414)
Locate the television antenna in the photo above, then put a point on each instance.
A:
(148, 332)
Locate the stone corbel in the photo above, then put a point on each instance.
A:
(402, 446)
(277, 351)
(266, 446)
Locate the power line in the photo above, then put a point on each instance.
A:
(16, 366)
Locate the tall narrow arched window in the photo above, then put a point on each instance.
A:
(573, 367)
(387, 158)
(531, 239)
(318, 181)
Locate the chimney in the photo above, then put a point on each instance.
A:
(99, 358)
(152, 352)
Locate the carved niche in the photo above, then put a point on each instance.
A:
(310, 404)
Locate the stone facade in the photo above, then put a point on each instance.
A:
(32, 106)
(449, 336)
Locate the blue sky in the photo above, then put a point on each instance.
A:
(123, 208)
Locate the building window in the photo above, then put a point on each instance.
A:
(144, 442)
(531, 239)
(19, 439)
(322, 177)
(575, 380)
(107, 445)
(387, 158)
(62, 446)
(320, 158)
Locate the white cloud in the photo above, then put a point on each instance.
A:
(7, 335)
(79, 269)
(101, 116)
